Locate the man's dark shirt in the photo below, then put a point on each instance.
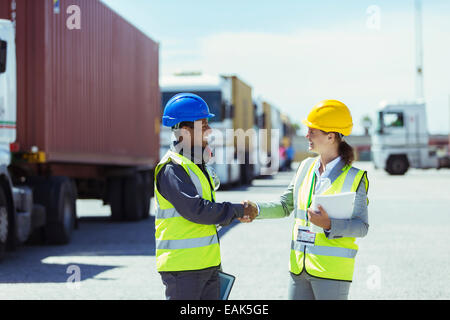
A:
(175, 185)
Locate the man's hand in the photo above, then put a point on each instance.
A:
(319, 218)
(250, 211)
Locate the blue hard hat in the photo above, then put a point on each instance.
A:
(185, 107)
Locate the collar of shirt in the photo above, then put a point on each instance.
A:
(329, 166)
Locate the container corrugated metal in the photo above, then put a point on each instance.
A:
(243, 104)
(5, 10)
(243, 108)
(267, 139)
(88, 95)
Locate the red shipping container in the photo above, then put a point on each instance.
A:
(85, 96)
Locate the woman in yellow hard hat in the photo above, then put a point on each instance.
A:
(323, 249)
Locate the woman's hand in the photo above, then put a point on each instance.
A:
(319, 218)
(250, 211)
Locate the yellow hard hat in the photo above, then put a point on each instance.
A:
(330, 116)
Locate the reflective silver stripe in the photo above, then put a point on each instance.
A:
(166, 213)
(336, 171)
(349, 179)
(187, 243)
(196, 180)
(332, 251)
(175, 157)
(325, 251)
(299, 180)
(300, 214)
(295, 245)
(192, 175)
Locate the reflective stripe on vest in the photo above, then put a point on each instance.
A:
(167, 213)
(187, 243)
(332, 259)
(324, 250)
(301, 174)
(182, 244)
(172, 212)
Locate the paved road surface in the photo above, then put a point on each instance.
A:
(405, 255)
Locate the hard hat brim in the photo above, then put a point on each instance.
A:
(345, 131)
(168, 121)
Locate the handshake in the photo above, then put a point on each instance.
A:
(250, 211)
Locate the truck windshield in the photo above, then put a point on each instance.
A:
(3, 51)
(391, 119)
(212, 98)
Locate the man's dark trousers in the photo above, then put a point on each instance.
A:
(192, 285)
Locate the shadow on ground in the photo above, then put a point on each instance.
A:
(95, 237)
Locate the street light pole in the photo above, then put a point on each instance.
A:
(419, 51)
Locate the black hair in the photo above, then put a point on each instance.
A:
(188, 124)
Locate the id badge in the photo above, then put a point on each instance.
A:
(305, 236)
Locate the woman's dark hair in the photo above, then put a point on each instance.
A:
(345, 150)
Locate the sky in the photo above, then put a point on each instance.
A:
(295, 53)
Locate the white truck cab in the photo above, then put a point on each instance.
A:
(8, 85)
(19, 216)
(400, 140)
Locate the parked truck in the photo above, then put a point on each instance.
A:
(401, 139)
(230, 99)
(270, 138)
(79, 110)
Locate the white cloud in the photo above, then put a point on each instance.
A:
(360, 67)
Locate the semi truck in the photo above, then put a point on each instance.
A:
(230, 99)
(401, 140)
(270, 138)
(79, 112)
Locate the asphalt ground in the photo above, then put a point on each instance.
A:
(404, 256)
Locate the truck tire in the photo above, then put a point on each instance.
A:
(4, 223)
(397, 165)
(115, 191)
(129, 196)
(147, 178)
(61, 211)
(58, 196)
(133, 199)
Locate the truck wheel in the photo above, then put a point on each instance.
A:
(4, 223)
(129, 197)
(115, 190)
(134, 197)
(397, 165)
(61, 211)
(58, 196)
(147, 192)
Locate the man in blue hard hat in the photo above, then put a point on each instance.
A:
(187, 244)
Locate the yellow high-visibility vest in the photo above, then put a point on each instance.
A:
(182, 244)
(328, 258)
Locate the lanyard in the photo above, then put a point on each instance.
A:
(310, 197)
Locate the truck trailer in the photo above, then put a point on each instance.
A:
(270, 138)
(79, 117)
